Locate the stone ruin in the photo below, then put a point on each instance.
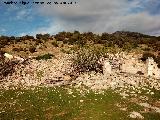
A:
(152, 68)
(133, 66)
(129, 64)
(107, 68)
(120, 62)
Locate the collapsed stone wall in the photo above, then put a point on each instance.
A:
(131, 64)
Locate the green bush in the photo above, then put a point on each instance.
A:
(45, 57)
(44, 37)
(86, 59)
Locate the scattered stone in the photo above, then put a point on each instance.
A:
(124, 95)
(144, 98)
(81, 101)
(136, 115)
(123, 109)
(156, 109)
(145, 105)
(8, 56)
(66, 77)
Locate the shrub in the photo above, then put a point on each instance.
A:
(140, 73)
(105, 36)
(62, 45)
(146, 55)
(43, 37)
(39, 36)
(66, 51)
(128, 46)
(2, 58)
(32, 49)
(146, 49)
(86, 59)
(16, 49)
(27, 37)
(157, 60)
(7, 68)
(46, 37)
(55, 44)
(45, 57)
(38, 41)
(60, 36)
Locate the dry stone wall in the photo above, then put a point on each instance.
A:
(131, 64)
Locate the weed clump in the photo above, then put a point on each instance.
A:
(45, 57)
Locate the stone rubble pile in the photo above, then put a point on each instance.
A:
(123, 83)
(58, 71)
(41, 72)
(136, 115)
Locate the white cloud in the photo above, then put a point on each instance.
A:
(24, 14)
(3, 30)
(101, 16)
(53, 29)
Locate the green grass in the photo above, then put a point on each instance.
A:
(57, 104)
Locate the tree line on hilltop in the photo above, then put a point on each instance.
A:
(122, 39)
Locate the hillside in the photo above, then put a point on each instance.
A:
(115, 75)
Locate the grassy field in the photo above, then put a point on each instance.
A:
(63, 103)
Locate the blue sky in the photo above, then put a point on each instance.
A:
(18, 19)
(87, 15)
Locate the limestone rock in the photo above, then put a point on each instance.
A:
(106, 68)
(136, 115)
